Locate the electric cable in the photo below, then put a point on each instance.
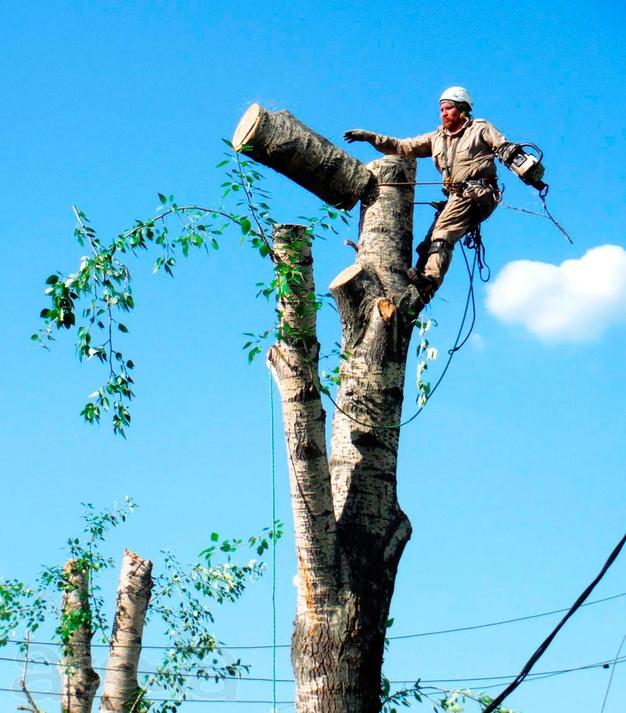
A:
(542, 648)
(615, 661)
(158, 700)
(533, 677)
(607, 663)
(435, 632)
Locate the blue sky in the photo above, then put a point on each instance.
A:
(513, 475)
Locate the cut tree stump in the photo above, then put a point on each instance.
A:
(282, 142)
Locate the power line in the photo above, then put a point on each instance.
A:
(543, 647)
(502, 621)
(435, 632)
(532, 677)
(156, 700)
(608, 687)
(607, 663)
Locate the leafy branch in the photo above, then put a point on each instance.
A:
(94, 299)
(441, 700)
(425, 354)
(182, 600)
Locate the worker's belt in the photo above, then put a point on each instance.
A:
(483, 182)
(460, 186)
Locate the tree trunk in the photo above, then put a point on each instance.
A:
(280, 141)
(79, 682)
(121, 688)
(350, 531)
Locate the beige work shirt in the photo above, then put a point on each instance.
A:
(466, 154)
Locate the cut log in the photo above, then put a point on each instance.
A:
(282, 142)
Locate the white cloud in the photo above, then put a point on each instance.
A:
(575, 301)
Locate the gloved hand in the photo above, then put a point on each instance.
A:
(358, 135)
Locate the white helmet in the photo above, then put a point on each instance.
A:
(457, 94)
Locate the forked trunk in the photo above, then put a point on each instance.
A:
(350, 530)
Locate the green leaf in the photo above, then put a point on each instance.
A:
(52, 280)
(162, 198)
(122, 327)
(245, 226)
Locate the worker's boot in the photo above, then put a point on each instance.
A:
(425, 284)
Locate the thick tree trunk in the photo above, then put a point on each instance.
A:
(350, 530)
(280, 141)
(377, 308)
(121, 688)
(79, 682)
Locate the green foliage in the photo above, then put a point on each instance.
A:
(332, 376)
(182, 602)
(440, 700)
(425, 354)
(92, 300)
(20, 606)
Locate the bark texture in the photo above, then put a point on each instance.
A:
(121, 687)
(79, 682)
(282, 142)
(350, 530)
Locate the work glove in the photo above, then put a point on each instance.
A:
(358, 135)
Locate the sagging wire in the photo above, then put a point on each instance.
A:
(436, 632)
(536, 676)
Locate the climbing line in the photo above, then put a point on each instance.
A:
(458, 344)
(273, 462)
(552, 219)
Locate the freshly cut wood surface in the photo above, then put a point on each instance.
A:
(282, 142)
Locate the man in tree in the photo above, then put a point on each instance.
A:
(463, 150)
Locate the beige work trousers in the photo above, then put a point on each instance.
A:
(461, 212)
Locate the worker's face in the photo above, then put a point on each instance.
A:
(451, 118)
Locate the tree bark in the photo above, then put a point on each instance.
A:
(294, 364)
(121, 688)
(350, 530)
(79, 682)
(282, 142)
